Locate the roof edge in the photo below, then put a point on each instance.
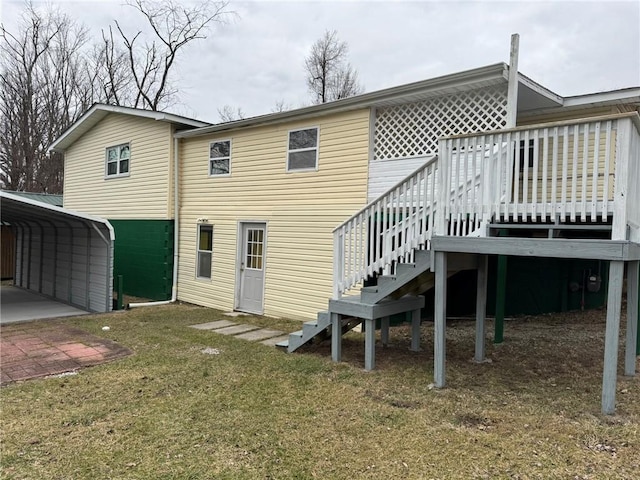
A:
(63, 141)
(364, 100)
(46, 206)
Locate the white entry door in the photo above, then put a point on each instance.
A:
(251, 291)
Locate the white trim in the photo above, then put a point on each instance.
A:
(239, 252)
(300, 150)
(106, 161)
(210, 277)
(218, 175)
(98, 111)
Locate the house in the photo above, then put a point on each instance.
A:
(119, 165)
(375, 199)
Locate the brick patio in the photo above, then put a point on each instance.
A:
(40, 349)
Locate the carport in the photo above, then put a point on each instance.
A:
(61, 254)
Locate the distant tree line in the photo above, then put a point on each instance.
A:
(50, 74)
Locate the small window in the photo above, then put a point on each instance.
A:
(118, 158)
(220, 158)
(205, 251)
(303, 150)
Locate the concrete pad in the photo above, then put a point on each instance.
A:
(261, 334)
(19, 305)
(213, 325)
(271, 342)
(236, 329)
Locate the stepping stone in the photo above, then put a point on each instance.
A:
(261, 334)
(234, 330)
(213, 325)
(271, 342)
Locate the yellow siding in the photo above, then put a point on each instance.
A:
(569, 180)
(145, 193)
(561, 115)
(301, 210)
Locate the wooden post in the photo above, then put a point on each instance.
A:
(440, 319)
(119, 292)
(384, 331)
(369, 344)
(336, 337)
(415, 330)
(501, 296)
(614, 304)
(512, 92)
(633, 284)
(481, 308)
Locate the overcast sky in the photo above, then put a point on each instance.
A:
(257, 59)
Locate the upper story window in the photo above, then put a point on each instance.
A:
(118, 160)
(220, 158)
(302, 152)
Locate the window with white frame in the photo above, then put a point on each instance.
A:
(205, 251)
(220, 158)
(302, 153)
(118, 159)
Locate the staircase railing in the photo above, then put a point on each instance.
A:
(387, 229)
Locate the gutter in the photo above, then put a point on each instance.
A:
(176, 223)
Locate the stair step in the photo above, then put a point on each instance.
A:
(404, 268)
(385, 280)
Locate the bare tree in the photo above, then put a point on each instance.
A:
(329, 75)
(230, 114)
(41, 76)
(174, 26)
(281, 106)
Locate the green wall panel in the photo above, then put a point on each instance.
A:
(143, 255)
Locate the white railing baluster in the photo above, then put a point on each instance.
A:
(595, 173)
(565, 166)
(545, 173)
(585, 173)
(534, 182)
(607, 171)
(574, 171)
(524, 155)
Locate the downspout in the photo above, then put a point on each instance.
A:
(176, 218)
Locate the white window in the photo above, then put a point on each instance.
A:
(303, 150)
(220, 158)
(205, 251)
(117, 159)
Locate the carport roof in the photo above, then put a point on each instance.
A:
(15, 209)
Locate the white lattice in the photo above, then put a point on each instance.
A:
(413, 129)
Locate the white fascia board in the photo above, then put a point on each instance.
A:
(98, 111)
(624, 95)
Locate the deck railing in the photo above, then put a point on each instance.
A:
(583, 170)
(554, 172)
(386, 230)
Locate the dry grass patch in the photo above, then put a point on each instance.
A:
(250, 411)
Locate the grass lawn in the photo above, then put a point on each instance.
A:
(172, 412)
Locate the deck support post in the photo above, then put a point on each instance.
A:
(633, 269)
(501, 297)
(481, 308)
(369, 344)
(612, 331)
(336, 337)
(440, 319)
(415, 330)
(384, 331)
